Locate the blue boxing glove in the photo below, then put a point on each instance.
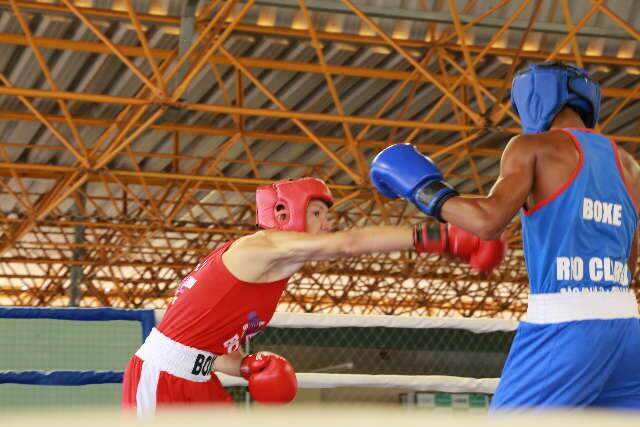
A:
(400, 170)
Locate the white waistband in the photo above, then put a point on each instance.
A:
(175, 358)
(572, 306)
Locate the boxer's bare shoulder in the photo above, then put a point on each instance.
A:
(631, 171)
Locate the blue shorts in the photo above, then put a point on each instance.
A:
(587, 363)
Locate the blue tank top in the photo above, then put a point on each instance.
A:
(579, 239)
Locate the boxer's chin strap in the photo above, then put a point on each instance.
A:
(430, 237)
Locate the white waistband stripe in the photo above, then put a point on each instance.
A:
(572, 306)
(175, 358)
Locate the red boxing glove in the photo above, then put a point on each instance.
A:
(430, 237)
(462, 244)
(482, 255)
(439, 238)
(271, 377)
(488, 255)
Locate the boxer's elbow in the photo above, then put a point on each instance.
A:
(493, 215)
(489, 226)
(490, 233)
(477, 215)
(351, 244)
(356, 242)
(325, 247)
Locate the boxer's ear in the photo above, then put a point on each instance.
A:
(282, 215)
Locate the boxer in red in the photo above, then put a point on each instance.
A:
(232, 294)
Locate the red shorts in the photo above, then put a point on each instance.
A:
(145, 387)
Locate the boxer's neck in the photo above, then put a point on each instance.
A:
(567, 118)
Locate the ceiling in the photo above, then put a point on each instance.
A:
(132, 138)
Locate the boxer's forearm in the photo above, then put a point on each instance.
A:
(356, 242)
(229, 363)
(486, 217)
(378, 239)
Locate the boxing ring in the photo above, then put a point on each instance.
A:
(44, 367)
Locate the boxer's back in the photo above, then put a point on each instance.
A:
(557, 159)
(578, 234)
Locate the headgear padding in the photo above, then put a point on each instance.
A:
(540, 91)
(283, 205)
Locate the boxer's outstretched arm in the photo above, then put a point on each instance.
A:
(488, 216)
(271, 255)
(302, 247)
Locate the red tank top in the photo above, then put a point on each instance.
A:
(216, 312)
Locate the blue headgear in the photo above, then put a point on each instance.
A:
(540, 91)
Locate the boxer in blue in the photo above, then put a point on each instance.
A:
(577, 195)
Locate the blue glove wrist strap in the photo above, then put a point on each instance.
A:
(430, 197)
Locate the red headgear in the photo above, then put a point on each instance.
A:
(290, 198)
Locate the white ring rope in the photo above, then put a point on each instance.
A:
(434, 383)
(319, 321)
